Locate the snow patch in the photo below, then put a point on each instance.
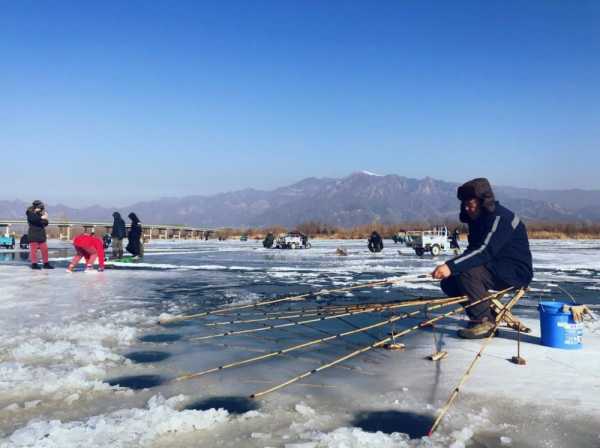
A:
(123, 428)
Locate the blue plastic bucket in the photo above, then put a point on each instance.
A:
(558, 328)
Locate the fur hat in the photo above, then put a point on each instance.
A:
(481, 189)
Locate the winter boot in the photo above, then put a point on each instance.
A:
(48, 266)
(479, 331)
(35, 266)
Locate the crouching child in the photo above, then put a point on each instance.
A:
(89, 247)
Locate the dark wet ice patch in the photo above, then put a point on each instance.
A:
(147, 356)
(233, 405)
(161, 337)
(137, 382)
(415, 425)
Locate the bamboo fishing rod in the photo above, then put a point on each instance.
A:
(375, 309)
(282, 317)
(288, 299)
(290, 310)
(314, 342)
(506, 309)
(309, 312)
(377, 344)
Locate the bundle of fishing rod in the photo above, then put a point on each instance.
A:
(267, 316)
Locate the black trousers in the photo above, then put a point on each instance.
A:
(474, 283)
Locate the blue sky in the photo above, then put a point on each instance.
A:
(113, 102)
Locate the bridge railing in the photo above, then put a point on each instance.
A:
(151, 231)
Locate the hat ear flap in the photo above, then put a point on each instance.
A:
(489, 203)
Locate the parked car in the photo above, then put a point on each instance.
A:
(434, 241)
(292, 240)
(7, 241)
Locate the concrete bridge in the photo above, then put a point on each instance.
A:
(151, 231)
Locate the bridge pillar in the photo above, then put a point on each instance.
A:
(89, 228)
(5, 229)
(179, 234)
(166, 234)
(147, 234)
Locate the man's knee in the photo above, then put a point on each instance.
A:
(473, 276)
(450, 287)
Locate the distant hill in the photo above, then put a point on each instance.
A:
(359, 198)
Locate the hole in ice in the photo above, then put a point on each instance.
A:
(233, 405)
(180, 323)
(415, 425)
(147, 356)
(137, 382)
(160, 337)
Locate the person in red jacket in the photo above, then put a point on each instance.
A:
(89, 247)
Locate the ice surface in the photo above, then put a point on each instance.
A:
(123, 428)
(63, 336)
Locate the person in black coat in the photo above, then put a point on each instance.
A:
(37, 218)
(269, 240)
(375, 242)
(497, 257)
(118, 232)
(24, 242)
(454, 239)
(134, 244)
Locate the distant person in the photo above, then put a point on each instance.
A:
(454, 239)
(89, 247)
(119, 231)
(37, 218)
(134, 237)
(24, 242)
(375, 242)
(269, 240)
(498, 256)
(304, 239)
(106, 240)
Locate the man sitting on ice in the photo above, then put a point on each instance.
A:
(497, 257)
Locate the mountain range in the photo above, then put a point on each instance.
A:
(359, 198)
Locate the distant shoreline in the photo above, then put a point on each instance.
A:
(533, 235)
(315, 230)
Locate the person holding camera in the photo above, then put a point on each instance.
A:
(37, 218)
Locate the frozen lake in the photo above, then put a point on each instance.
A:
(65, 338)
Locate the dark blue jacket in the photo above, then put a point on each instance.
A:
(118, 231)
(498, 241)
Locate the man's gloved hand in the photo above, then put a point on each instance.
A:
(577, 311)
